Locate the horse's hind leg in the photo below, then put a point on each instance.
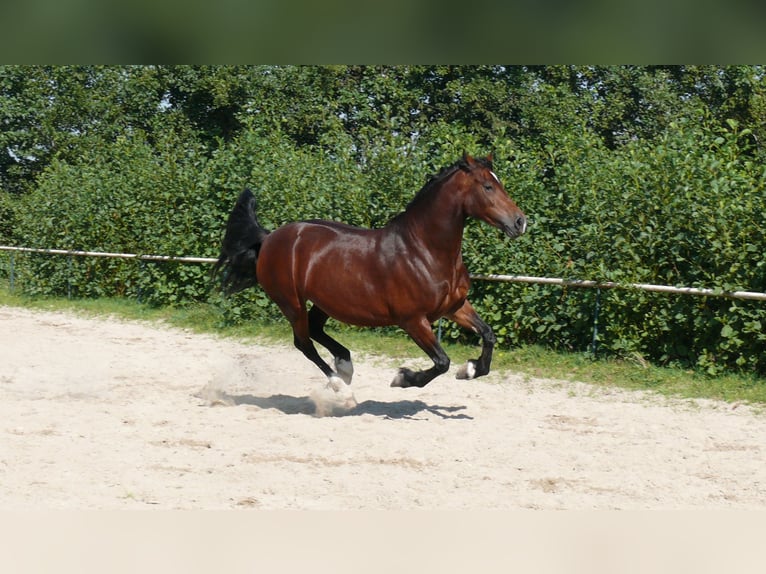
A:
(467, 317)
(343, 366)
(299, 319)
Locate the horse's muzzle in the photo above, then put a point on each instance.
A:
(516, 227)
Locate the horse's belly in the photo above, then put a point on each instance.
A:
(354, 301)
(370, 302)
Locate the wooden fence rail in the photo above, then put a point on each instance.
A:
(581, 283)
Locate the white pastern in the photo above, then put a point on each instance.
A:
(398, 380)
(467, 371)
(345, 369)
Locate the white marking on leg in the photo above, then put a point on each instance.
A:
(467, 371)
(399, 380)
(345, 369)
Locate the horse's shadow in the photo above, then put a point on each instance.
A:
(404, 409)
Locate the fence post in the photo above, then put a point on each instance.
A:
(11, 270)
(69, 278)
(140, 290)
(594, 342)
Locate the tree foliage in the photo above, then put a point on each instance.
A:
(649, 174)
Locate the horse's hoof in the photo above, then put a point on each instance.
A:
(345, 369)
(400, 380)
(467, 371)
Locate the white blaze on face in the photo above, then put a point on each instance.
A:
(496, 178)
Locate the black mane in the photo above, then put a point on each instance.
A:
(446, 172)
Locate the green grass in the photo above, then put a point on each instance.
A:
(532, 361)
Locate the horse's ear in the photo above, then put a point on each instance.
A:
(489, 158)
(467, 161)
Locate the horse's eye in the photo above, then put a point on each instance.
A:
(488, 187)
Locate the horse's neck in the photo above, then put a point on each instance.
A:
(435, 223)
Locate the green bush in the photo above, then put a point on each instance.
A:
(125, 199)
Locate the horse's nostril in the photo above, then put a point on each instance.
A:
(521, 224)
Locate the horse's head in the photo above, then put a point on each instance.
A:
(486, 198)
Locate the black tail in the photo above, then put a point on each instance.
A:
(241, 245)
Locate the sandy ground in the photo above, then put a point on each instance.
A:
(107, 414)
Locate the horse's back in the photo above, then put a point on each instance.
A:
(315, 236)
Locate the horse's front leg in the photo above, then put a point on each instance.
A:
(421, 332)
(467, 317)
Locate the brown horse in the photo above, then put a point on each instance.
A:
(408, 273)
